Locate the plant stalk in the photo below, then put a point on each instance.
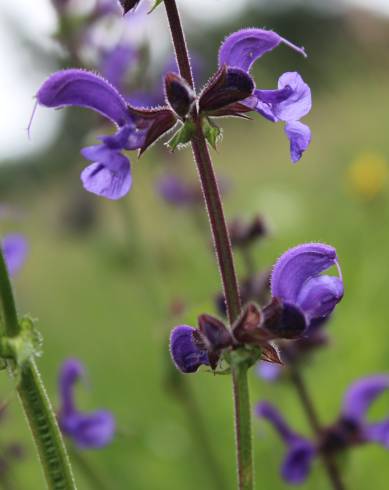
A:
(309, 409)
(222, 243)
(35, 402)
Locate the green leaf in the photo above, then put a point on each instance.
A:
(22, 347)
(212, 133)
(182, 136)
(156, 3)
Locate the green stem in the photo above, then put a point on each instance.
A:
(36, 404)
(224, 256)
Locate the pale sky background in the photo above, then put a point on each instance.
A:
(19, 80)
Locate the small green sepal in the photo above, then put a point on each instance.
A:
(182, 137)
(156, 4)
(212, 132)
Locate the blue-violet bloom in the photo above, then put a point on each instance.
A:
(15, 249)
(297, 282)
(300, 451)
(110, 173)
(91, 430)
(357, 400)
(289, 102)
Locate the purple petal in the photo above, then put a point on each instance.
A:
(299, 136)
(361, 394)
(271, 414)
(185, 354)
(291, 101)
(88, 430)
(268, 371)
(319, 296)
(110, 175)
(75, 87)
(117, 62)
(297, 266)
(298, 462)
(15, 249)
(175, 191)
(94, 430)
(242, 48)
(378, 432)
(71, 370)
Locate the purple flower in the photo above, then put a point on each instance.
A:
(289, 102)
(15, 249)
(88, 430)
(357, 400)
(269, 371)
(186, 355)
(300, 451)
(110, 173)
(117, 63)
(178, 192)
(297, 281)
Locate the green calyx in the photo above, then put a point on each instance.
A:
(24, 346)
(212, 132)
(182, 137)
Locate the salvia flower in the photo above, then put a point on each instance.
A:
(353, 422)
(297, 282)
(300, 452)
(109, 174)
(15, 249)
(88, 430)
(232, 91)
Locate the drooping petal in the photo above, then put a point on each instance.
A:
(15, 249)
(75, 87)
(291, 101)
(268, 371)
(296, 266)
(271, 414)
(71, 370)
(109, 182)
(88, 430)
(242, 48)
(319, 296)
(185, 354)
(299, 136)
(93, 430)
(361, 394)
(298, 461)
(378, 432)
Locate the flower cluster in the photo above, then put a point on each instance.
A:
(230, 92)
(350, 429)
(301, 297)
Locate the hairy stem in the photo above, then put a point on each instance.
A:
(309, 409)
(35, 402)
(224, 256)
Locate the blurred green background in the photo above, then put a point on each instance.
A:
(101, 275)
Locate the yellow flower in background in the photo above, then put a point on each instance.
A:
(367, 175)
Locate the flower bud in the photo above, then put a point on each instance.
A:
(179, 94)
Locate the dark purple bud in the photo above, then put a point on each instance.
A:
(152, 123)
(247, 329)
(184, 350)
(243, 234)
(283, 320)
(179, 94)
(343, 434)
(226, 87)
(214, 333)
(128, 5)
